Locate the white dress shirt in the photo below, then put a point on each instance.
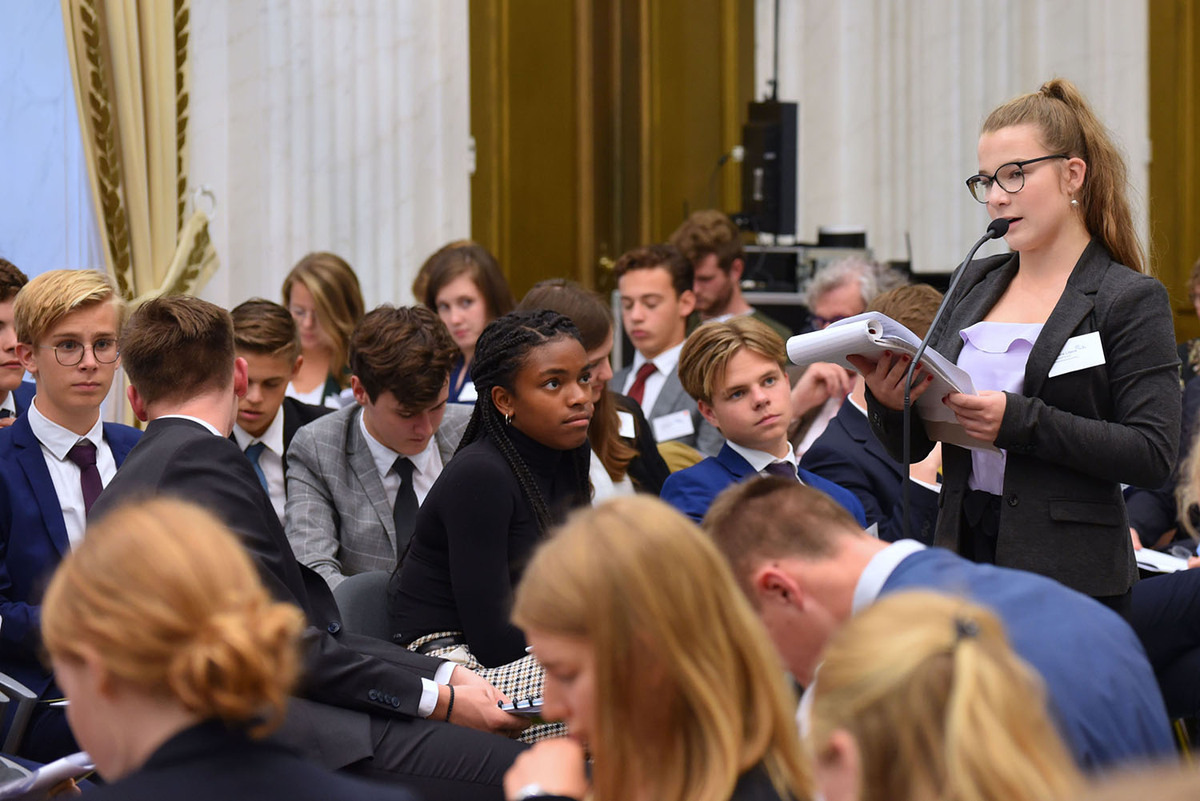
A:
(56, 441)
(427, 465)
(270, 460)
(665, 363)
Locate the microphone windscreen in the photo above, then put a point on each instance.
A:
(997, 228)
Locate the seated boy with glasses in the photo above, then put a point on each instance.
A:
(54, 461)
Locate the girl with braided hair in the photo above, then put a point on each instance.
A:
(523, 463)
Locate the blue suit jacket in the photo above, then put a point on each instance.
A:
(23, 396)
(33, 539)
(693, 489)
(850, 455)
(1101, 688)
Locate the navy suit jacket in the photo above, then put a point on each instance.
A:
(850, 455)
(23, 396)
(1100, 685)
(33, 540)
(693, 489)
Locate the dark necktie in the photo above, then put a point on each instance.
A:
(404, 510)
(253, 453)
(783, 470)
(637, 390)
(83, 454)
(5, 414)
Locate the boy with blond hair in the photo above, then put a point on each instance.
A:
(54, 460)
(734, 370)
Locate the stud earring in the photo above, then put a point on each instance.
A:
(1074, 203)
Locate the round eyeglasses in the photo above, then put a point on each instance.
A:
(70, 353)
(1010, 177)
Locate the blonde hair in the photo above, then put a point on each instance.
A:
(338, 297)
(53, 295)
(706, 353)
(1187, 488)
(939, 705)
(171, 602)
(1068, 125)
(690, 692)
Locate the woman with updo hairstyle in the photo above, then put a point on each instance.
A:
(921, 696)
(1070, 345)
(176, 662)
(463, 283)
(656, 663)
(624, 454)
(324, 297)
(521, 466)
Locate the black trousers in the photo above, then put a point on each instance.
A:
(1165, 613)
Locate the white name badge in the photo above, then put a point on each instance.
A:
(468, 394)
(627, 429)
(1079, 353)
(673, 426)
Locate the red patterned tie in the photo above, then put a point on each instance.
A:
(638, 390)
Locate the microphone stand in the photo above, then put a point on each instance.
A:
(996, 229)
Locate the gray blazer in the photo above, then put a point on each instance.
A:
(672, 398)
(1071, 440)
(339, 519)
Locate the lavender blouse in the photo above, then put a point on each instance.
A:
(994, 355)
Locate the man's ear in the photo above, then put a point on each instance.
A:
(687, 303)
(735, 271)
(296, 368)
(772, 584)
(502, 399)
(136, 403)
(706, 411)
(25, 354)
(360, 392)
(241, 377)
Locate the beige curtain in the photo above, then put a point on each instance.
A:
(130, 67)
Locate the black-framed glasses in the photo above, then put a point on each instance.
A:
(70, 353)
(1010, 177)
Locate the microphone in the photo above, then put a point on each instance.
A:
(996, 229)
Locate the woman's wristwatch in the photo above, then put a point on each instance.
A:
(535, 792)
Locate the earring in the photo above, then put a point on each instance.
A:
(507, 419)
(1074, 203)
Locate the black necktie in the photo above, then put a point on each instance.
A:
(783, 470)
(404, 510)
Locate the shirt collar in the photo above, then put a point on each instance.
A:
(665, 362)
(272, 437)
(760, 459)
(385, 458)
(213, 429)
(879, 570)
(9, 403)
(59, 440)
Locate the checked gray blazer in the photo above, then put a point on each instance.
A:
(339, 519)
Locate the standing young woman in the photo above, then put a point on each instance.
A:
(921, 696)
(624, 454)
(464, 285)
(323, 294)
(522, 464)
(656, 663)
(1071, 347)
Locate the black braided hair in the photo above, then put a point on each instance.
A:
(500, 353)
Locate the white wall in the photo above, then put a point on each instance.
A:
(46, 220)
(337, 125)
(892, 94)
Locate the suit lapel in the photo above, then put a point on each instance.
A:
(668, 397)
(859, 430)
(976, 302)
(33, 464)
(1075, 304)
(732, 461)
(119, 442)
(362, 464)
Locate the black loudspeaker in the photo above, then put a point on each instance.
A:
(770, 138)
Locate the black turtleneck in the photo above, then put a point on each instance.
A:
(474, 535)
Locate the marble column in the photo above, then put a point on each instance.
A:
(892, 95)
